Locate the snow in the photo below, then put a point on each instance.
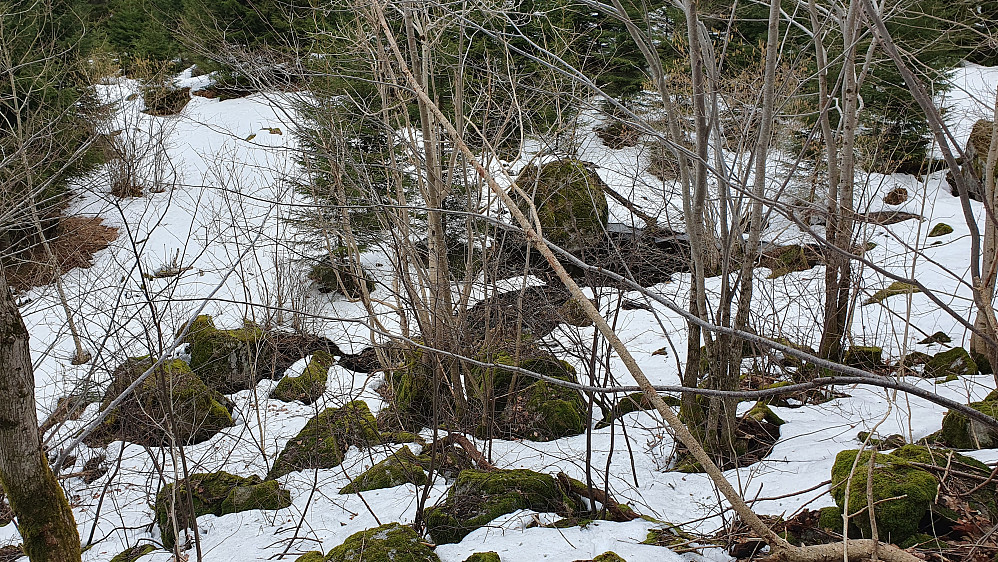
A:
(216, 212)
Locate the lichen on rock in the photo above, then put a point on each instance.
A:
(216, 493)
(326, 437)
(478, 497)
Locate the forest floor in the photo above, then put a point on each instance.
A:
(219, 228)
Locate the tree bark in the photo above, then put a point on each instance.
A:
(44, 517)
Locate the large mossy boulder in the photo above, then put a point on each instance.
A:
(326, 437)
(952, 362)
(571, 204)
(902, 493)
(310, 385)
(144, 416)
(478, 497)
(964, 433)
(391, 542)
(215, 493)
(524, 407)
(401, 467)
(228, 360)
(543, 410)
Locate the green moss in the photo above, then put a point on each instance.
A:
(308, 386)
(402, 437)
(143, 417)
(671, 537)
(324, 439)
(134, 553)
(787, 259)
(864, 357)
(571, 206)
(477, 497)
(923, 541)
(903, 493)
(631, 403)
(609, 556)
(941, 229)
(484, 557)
(895, 288)
(216, 493)
(963, 433)
(400, 468)
(956, 361)
(938, 337)
(313, 556)
(226, 360)
(761, 412)
(830, 518)
(544, 411)
(389, 543)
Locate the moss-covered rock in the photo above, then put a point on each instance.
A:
(902, 492)
(400, 468)
(228, 360)
(134, 553)
(938, 337)
(477, 497)
(339, 276)
(484, 557)
(761, 412)
(609, 556)
(963, 433)
(634, 402)
(308, 386)
(830, 518)
(941, 229)
(388, 543)
(956, 361)
(784, 260)
(864, 357)
(570, 202)
(895, 288)
(312, 556)
(544, 411)
(216, 493)
(326, 437)
(144, 416)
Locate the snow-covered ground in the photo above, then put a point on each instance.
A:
(229, 164)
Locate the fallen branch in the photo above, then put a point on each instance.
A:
(618, 512)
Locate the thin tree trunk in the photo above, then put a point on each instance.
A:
(44, 517)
